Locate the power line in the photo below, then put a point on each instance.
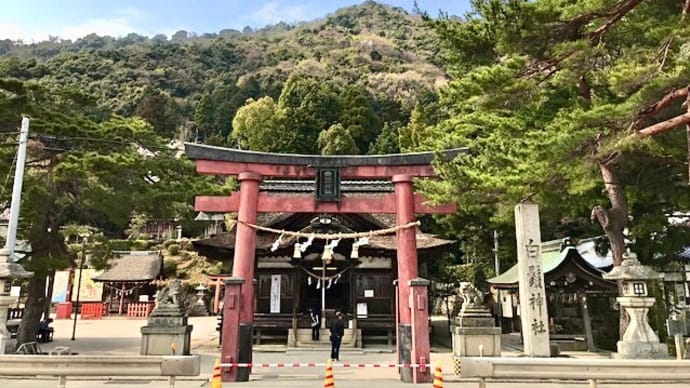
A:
(56, 139)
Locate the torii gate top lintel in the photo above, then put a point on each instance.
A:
(228, 161)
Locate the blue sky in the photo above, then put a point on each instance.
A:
(34, 20)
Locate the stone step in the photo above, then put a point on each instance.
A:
(351, 339)
(324, 349)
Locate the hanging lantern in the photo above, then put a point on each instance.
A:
(297, 253)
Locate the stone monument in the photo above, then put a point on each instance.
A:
(167, 331)
(534, 318)
(474, 332)
(639, 340)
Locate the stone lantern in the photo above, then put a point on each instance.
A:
(199, 308)
(8, 270)
(639, 340)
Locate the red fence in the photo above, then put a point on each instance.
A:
(92, 310)
(63, 310)
(139, 310)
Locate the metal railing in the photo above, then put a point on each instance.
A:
(99, 366)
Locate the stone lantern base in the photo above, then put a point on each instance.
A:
(640, 350)
(639, 340)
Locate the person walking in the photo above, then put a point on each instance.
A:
(315, 324)
(337, 332)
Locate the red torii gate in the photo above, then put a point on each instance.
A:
(250, 169)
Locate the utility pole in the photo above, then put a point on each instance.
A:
(497, 263)
(8, 268)
(17, 188)
(81, 269)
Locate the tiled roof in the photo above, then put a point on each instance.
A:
(346, 186)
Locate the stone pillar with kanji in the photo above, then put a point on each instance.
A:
(534, 318)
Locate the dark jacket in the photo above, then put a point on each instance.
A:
(338, 327)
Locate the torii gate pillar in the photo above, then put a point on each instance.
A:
(243, 268)
(412, 349)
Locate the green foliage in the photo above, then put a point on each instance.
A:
(337, 141)
(260, 126)
(192, 86)
(543, 92)
(310, 105)
(173, 249)
(168, 243)
(170, 268)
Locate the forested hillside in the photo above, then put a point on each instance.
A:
(363, 67)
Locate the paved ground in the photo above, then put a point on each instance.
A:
(119, 336)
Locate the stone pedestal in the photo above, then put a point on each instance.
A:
(639, 340)
(474, 333)
(167, 332)
(158, 337)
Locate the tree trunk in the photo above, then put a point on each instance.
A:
(28, 328)
(614, 219)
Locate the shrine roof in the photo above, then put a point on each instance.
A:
(554, 263)
(206, 152)
(133, 266)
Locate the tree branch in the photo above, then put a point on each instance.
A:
(686, 8)
(662, 103)
(664, 125)
(619, 11)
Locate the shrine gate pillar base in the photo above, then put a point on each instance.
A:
(419, 308)
(231, 327)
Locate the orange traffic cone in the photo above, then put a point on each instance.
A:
(438, 376)
(215, 379)
(328, 379)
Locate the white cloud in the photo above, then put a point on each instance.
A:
(273, 12)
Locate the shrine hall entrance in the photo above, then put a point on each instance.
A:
(334, 288)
